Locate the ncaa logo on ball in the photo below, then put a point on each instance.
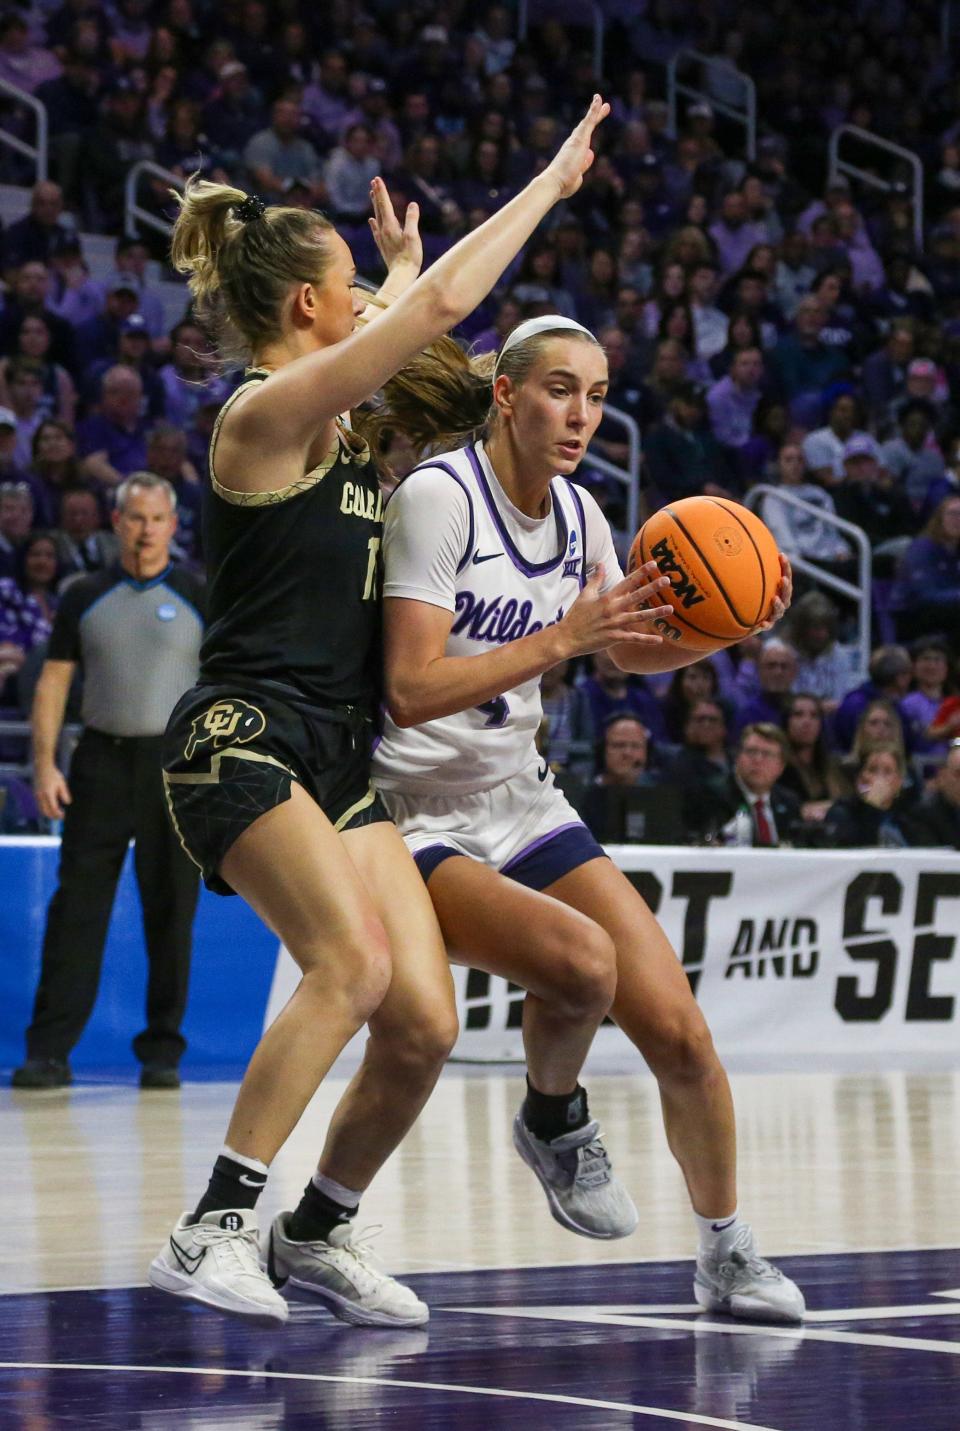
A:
(728, 541)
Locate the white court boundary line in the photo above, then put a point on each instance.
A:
(598, 1317)
(247, 1373)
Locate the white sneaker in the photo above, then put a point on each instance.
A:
(343, 1273)
(736, 1279)
(216, 1260)
(576, 1175)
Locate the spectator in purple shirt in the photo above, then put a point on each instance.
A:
(931, 684)
(112, 442)
(31, 290)
(776, 674)
(327, 101)
(97, 338)
(21, 63)
(733, 234)
(189, 379)
(132, 350)
(733, 400)
(41, 233)
(609, 690)
(22, 627)
(890, 673)
(234, 114)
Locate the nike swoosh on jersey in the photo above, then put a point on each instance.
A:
(542, 774)
(477, 558)
(188, 1261)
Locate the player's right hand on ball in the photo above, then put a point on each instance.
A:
(600, 619)
(574, 157)
(52, 792)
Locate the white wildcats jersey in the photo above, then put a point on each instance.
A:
(453, 539)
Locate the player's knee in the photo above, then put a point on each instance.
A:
(359, 975)
(584, 967)
(684, 1049)
(428, 1044)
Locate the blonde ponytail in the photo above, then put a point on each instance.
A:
(204, 225)
(242, 258)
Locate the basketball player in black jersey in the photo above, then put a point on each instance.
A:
(267, 759)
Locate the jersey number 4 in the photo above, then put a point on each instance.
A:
(496, 712)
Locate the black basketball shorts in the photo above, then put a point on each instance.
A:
(228, 758)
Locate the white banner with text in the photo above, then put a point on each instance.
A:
(793, 956)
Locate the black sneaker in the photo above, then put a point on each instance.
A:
(42, 1073)
(159, 1075)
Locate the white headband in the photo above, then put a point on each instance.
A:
(549, 323)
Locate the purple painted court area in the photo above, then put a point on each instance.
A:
(583, 1348)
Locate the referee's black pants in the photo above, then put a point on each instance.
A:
(117, 791)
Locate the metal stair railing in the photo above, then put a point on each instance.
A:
(133, 212)
(38, 152)
(861, 595)
(837, 166)
(746, 116)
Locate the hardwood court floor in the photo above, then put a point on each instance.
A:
(852, 1178)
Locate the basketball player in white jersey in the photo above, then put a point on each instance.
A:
(492, 558)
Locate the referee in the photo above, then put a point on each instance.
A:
(134, 630)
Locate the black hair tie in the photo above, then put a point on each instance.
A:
(250, 209)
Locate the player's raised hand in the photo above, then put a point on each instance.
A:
(600, 619)
(575, 156)
(396, 244)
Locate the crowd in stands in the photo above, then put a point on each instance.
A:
(763, 324)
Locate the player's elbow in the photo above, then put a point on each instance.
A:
(447, 301)
(404, 706)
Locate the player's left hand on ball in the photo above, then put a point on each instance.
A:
(783, 597)
(396, 244)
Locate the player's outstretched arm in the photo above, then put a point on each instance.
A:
(302, 396)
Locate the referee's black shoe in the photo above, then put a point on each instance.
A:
(159, 1075)
(42, 1073)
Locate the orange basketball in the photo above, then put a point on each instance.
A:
(723, 566)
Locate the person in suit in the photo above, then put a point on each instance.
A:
(754, 786)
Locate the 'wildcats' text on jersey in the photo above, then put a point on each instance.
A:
(453, 539)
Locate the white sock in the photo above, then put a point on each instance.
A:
(254, 1164)
(346, 1197)
(711, 1229)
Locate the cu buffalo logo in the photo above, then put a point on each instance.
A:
(224, 721)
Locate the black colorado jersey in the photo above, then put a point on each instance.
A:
(294, 580)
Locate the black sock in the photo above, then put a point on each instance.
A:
(316, 1215)
(550, 1115)
(232, 1184)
